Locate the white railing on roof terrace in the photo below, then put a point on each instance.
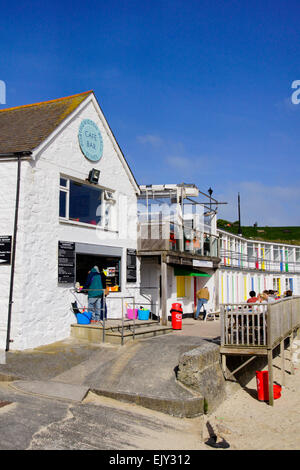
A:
(170, 236)
(238, 260)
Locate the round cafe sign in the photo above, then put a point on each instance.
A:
(90, 140)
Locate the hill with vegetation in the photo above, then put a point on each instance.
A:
(272, 234)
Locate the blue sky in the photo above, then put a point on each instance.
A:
(194, 91)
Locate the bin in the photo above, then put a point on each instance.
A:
(176, 312)
(84, 318)
(143, 314)
(262, 381)
(130, 314)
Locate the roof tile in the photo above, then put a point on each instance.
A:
(25, 127)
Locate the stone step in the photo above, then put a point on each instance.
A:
(129, 335)
(116, 325)
(95, 334)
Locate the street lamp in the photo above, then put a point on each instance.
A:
(210, 212)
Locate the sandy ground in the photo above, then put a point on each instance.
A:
(242, 420)
(249, 424)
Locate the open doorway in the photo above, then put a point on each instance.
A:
(109, 267)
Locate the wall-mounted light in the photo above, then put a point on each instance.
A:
(94, 176)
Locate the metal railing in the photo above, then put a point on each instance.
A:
(239, 260)
(171, 236)
(126, 303)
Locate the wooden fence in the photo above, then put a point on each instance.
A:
(256, 329)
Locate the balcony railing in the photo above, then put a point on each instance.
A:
(259, 324)
(170, 236)
(242, 261)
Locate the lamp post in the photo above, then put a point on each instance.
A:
(210, 191)
(239, 212)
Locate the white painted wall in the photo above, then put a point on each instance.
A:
(41, 312)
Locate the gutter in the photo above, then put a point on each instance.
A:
(14, 156)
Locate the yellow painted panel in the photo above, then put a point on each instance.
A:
(180, 286)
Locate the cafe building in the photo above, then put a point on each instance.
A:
(68, 202)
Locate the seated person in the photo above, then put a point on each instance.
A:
(262, 298)
(271, 296)
(252, 299)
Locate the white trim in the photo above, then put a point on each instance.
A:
(253, 240)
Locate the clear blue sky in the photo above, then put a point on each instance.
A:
(194, 91)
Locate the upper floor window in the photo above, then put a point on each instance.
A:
(84, 203)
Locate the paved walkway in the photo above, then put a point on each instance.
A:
(141, 372)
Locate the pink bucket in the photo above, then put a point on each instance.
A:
(130, 313)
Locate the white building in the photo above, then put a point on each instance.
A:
(69, 201)
(55, 145)
(248, 264)
(178, 245)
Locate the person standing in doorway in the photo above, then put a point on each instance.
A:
(203, 298)
(94, 287)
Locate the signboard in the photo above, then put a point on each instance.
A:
(202, 264)
(111, 272)
(90, 140)
(66, 262)
(5, 249)
(131, 265)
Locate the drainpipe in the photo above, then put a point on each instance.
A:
(14, 156)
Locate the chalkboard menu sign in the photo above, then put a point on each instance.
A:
(5, 249)
(66, 262)
(131, 265)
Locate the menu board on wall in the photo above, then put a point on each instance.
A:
(131, 265)
(5, 249)
(66, 262)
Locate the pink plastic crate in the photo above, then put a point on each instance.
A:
(130, 313)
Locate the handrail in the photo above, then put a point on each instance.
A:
(261, 325)
(171, 236)
(243, 261)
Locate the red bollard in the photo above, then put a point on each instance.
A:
(262, 380)
(176, 312)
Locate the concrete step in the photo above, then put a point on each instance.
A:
(113, 334)
(139, 333)
(116, 324)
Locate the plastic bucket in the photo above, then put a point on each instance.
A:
(84, 318)
(130, 313)
(276, 391)
(143, 314)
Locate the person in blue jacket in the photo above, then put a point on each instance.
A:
(95, 294)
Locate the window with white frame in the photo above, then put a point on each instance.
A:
(79, 202)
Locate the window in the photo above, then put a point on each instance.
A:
(63, 198)
(250, 251)
(84, 203)
(276, 253)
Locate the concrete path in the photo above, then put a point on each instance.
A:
(141, 372)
